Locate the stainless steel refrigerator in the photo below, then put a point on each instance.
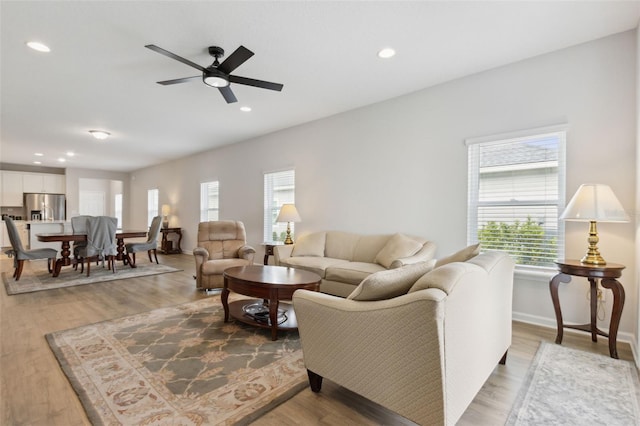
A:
(44, 206)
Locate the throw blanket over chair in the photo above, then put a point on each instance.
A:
(221, 245)
(151, 245)
(20, 254)
(101, 242)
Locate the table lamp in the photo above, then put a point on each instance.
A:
(288, 213)
(166, 209)
(592, 203)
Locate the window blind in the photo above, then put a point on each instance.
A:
(516, 194)
(152, 205)
(279, 189)
(209, 201)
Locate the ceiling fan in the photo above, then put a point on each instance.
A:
(218, 74)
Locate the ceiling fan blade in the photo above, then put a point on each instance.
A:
(256, 83)
(233, 61)
(228, 95)
(178, 80)
(161, 51)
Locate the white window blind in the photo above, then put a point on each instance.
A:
(209, 201)
(279, 189)
(516, 194)
(152, 205)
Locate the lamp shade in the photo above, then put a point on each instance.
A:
(288, 213)
(166, 209)
(594, 202)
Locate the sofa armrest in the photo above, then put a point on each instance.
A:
(282, 252)
(389, 351)
(426, 253)
(247, 252)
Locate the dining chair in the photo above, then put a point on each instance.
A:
(78, 226)
(151, 245)
(20, 254)
(101, 242)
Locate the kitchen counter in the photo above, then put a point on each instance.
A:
(36, 227)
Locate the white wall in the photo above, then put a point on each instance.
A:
(401, 165)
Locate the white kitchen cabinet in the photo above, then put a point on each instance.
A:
(12, 189)
(42, 182)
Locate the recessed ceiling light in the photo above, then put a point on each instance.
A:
(36, 45)
(61, 160)
(100, 134)
(37, 162)
(38, 154)
(70, 154)
(386, 53)
(245, 109)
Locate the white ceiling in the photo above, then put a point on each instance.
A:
(98, 74)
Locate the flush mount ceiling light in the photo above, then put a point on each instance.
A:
(36, 45)
(245, 109)
(386, 53)
(99, 134)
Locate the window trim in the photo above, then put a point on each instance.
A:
(472, 197)
(292, 170)
(205, 217)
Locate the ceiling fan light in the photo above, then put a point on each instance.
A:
(215, 78)
(99, 134)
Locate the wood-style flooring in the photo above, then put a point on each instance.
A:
(34, 391)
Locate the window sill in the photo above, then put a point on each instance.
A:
(535, 274)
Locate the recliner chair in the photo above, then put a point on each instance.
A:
(222, 244)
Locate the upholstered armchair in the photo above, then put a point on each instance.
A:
(222, 244)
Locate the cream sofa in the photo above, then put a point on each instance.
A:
(344, 259)
(424, 353)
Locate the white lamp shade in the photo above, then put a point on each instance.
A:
(595, 202)
(166, 209)
(288, 213)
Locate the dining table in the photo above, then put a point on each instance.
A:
(67, 237)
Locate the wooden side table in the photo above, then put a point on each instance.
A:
(268, 250)
(167, 245)
(607, 275)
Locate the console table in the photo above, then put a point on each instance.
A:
(167, 245)
(607, 275)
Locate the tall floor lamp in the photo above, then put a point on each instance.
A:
(594, 203)
(288, 213)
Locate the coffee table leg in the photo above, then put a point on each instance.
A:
(273, 317)
(225, 301)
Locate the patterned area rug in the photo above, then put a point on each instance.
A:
(35, 276)
(571, 387)
(179, 366)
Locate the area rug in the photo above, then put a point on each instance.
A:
(35, 276)
(179, 366)
(566, 386)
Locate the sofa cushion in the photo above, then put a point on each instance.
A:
(310, 245)
(352, 272)
(313, 264)
(390, 283)
(461, 255)
(444, 278)
(397, 247)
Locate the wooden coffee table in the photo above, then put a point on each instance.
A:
(271, 284)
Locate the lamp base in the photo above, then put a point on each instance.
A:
(593, 254)
(288, 239)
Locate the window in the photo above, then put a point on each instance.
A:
(209, 201)
(516, 193)
(152, 205)
(279, 189)
(117, 208)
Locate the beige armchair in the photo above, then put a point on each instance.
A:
(221, 245)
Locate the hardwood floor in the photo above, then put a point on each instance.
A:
(34, 391)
